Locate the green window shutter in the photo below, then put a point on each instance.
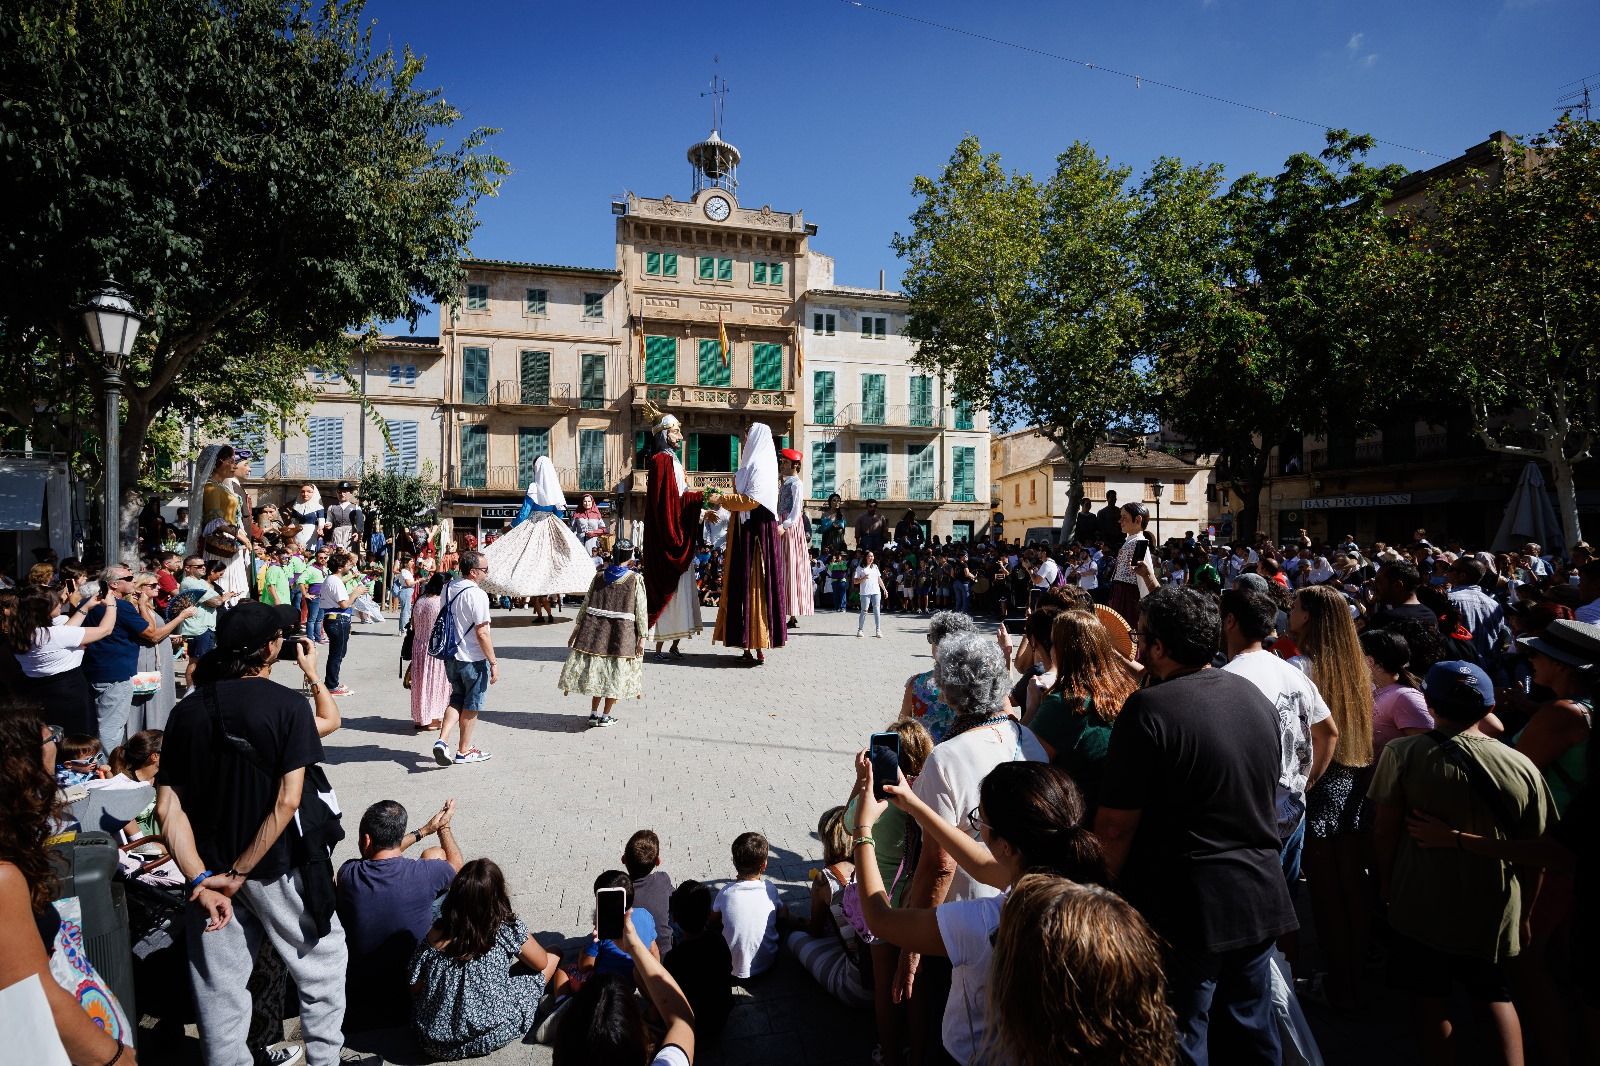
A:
(872, 392)
(822, 397)
(592, 382)
(921, 401)
(866, 327)
(733, 451)
(963, 413)
(766, 367)
(712, 371)
(964, 467)
(775, 273)
(693, 462)
(660, 360)
(535, 301)
(536, 378)
(724, 269)
(919, 471)
(532, 442)
(474, 456)
(652, 262)
(474, 375)
(758, 273)
(592, 460)
(477, 297)
(822, 469)
(708, 268)
(669, 264)
(874, 471)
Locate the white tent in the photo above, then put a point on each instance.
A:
(1530, 515)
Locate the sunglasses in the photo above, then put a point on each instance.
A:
(977, 822)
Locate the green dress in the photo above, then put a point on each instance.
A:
(1080, 738)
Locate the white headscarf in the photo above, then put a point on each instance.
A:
(545, 488)
(758, 469)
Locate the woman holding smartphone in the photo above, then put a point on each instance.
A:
(1133, 578)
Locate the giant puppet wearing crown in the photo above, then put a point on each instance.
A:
(671, 535)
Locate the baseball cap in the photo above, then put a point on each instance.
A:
(790, 454)
(345, 486)
(252, 625)
(1251, 583)
(1456, 683)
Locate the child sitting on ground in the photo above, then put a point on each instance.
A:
(752, 913)
(700, 962)
(608, 956)
(652, 887)
(80, 761)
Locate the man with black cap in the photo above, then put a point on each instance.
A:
(345, 520)
(1456, 916)
(238, 798)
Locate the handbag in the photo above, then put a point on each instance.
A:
(223, 543)
(146, 682)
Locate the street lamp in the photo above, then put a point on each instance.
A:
(1158, 488)
(113, 325)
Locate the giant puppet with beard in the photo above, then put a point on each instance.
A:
(671, 535)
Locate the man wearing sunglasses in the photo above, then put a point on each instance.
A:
(109, 664)
(473, 667)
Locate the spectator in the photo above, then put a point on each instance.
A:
(921, 701)
(334, 601)
(1035, 662)
(753, 914)
(478, 975)
(652, 886)
(29, 922)
(1398, 709)
(1589, 593)
(226, 806)
(868, 581)
(386, 906)
(606, 1025)
(603, 956)
(1456, 918)
(1189, 825)
(828, 945)
(473, 667)
(110, 663)
(311, 593)
(1076, 976)
(405, 590)
(699, 959)
(1565, 658)
(199, 630)
(1480, 612)
(1092, 683)
(81, 760)
(1110, 520)
(425, 675)
(1132, 579)
(1395, 588)
(51, 656)
(153, 703)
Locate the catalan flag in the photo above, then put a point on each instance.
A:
(722, 336)
(641, 346)
(799, 351)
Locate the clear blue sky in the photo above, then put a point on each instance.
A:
(835, 108)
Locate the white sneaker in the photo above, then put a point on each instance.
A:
(441, 753)
(287, 1053)
(859, 633)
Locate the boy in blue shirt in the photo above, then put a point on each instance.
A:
(607, 956)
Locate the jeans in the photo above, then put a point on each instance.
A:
(405, 608)
(1236, 987)
(841, 596)
(314, 620)
(870, 602)
(1290, 855)
(337, 626)
(113, 702)
(963, 591)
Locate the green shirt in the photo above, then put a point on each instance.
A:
(310, 576)
(204, 619)
(1079, 737)
(275, 585)
(1455, 901)
(889, 845)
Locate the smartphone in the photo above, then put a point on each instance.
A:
(884, 751)
(1140, 549)
(1016, 626)
(609, 906)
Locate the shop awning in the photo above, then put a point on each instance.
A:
(22, 485)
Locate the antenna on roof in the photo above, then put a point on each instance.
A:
(719, 95)
(1576, 99)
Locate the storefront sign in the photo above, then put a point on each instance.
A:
(500, 512)
(1328, 503)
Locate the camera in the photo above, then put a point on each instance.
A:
(293, 636)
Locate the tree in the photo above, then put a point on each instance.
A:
(1495, 300)
(1025, 294)
(1255, 331)
(394, 500)
(257, 174)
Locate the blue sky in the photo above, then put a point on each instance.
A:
(835, 107)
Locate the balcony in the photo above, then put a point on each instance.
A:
(305, 468)
(499, 480)
(712, 398)
(885, 491)
(891, 418)
(515, 395)
(702, 480)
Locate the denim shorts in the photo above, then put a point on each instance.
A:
(469, 683)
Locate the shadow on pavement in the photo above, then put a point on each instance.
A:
(376, 723)
(576, 721)
(410, 760)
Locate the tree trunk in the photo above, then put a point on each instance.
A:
(130, 453)
(1566, 497)
(1248, 523)
(1074, 495)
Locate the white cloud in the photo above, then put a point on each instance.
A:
(1354, 43)
(1370, 59)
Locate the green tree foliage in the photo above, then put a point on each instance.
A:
(1257, 325)
(259, 176)
(1492, 300)
(394, 500)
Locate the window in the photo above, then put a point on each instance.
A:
(874, 471)
(661, 264)
(822, 324)
(963, 412)
(474, 456)
(874, 327)
(961, 532)
(401, 455)
(964, 475)
(872, 390)
(535, 302)
(592, 386)
(921, 400)
(535, 378)
(477, 297)
(325, 448)
(532, 442)
(403, 376)
(1033, 491)
(713, 268)
(713, 371)
(660, 360)
(592, 460)
(1094, 488)
(824, 461)
(766, 367)
(764, 273)
(594, 305)
(474, 375)
(1150, 484)
(1180, 492)
(822, 397)
(1016, 492)
(712, 451)
(249, 433)
(919, 471)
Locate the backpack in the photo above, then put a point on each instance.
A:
(443, 640)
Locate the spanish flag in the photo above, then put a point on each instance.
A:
(722, 336)
(641, 345)
(799, 351)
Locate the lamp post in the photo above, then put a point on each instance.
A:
(113, 325)
(1158, 488)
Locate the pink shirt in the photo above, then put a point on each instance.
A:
(1396, 708)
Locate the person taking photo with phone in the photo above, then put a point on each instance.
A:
(1133, 579)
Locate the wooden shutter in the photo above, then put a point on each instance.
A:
(822, 397)
(411, 374)
(874, 471)
(733, 451)
(708, 268)
(660, 360)
(394, 373)
(652, 262)
(766, 367)
(964, 466)
(592, 460)
(963, 413)
(474, 375)
(775, 273)
(921, 400)
(669, 264)
(536, 378)
(1094, 488)
(712, 371)
(325, 448)
(592, 386)
(758, 273)
(823, 455)
(1180, 492)
(724, 269)
(474, 456)
(692, 446)
(532, 442)
(401, 457)
(872, 390)
(919, 471)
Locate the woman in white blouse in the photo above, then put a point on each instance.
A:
(49, 647)
(868, 580)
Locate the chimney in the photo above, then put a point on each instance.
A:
(880, 280)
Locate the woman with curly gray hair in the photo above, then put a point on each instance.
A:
(973, 680)
(921, 701)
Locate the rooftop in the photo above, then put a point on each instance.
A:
(557, 268)
(852, 292)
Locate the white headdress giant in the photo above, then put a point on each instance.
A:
(545, 488)
(758, 468)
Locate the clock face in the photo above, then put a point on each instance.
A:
(718, 209)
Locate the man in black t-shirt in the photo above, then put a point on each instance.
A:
(1187, 819)
(1395, 587)
(1111, 522)
(234, 766)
